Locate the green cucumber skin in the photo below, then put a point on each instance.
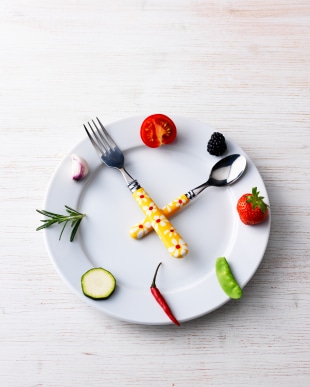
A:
(226, 279)
(98, 298)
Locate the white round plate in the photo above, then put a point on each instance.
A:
(209, 224)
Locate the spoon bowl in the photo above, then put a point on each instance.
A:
(227, 170)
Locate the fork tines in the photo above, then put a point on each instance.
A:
(100, 138)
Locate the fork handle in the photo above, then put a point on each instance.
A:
(156, 219)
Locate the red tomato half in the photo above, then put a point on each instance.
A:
(157, 130)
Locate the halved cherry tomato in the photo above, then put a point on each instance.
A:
(157, 130)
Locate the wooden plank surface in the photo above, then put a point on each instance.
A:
(242, 67)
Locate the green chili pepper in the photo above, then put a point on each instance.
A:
(226, 278)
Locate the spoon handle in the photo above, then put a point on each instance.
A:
(142, 228)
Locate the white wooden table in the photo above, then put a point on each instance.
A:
(242, 67)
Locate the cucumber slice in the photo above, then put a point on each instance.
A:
(98, 283)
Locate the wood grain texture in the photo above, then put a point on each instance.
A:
(241, 66)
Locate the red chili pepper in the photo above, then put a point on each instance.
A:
(160, 299)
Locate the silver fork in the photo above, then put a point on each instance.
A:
(113, 157)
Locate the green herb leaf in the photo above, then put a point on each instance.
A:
(74, 217)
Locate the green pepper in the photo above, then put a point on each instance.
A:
(226, 278)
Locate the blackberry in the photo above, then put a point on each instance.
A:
(217, 144)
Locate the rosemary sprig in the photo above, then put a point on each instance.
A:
(74, 217)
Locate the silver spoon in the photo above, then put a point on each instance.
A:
(225, 172)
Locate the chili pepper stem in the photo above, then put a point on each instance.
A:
(155, 275)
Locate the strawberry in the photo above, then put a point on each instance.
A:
(251, 208)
